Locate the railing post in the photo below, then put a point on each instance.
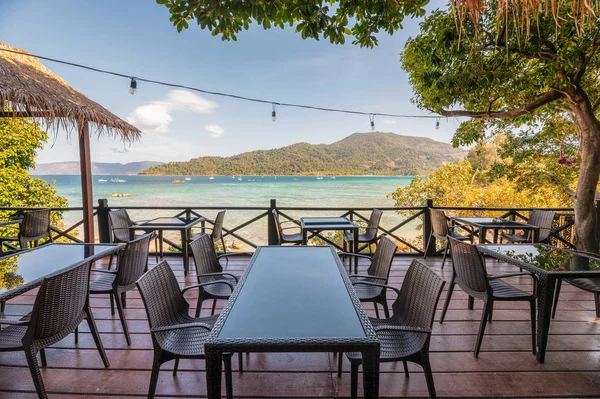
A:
(103, 224)
(271, 228)
(427, 228)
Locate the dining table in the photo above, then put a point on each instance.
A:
(293, 299)
(548, 264)
(181, 224)
(25, 270)
(479, 226)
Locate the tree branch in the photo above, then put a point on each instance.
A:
(583, 61)
(544, 99)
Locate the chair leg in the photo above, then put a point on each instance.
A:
(340, 356)
(488, 305)
(384, 303)
(354, 379)
(223, 244)
(122, 317)
(110, 259)
(199, 305)
(175, 367)
(427, 246)
(240, 362)
(94, 330)
(376, 309)
(228, 384)
(446, 251)
(597, 304)
(154, 375)
(112, 304)
(124, 299)
(156, 248)
(2, 306)
(43, 357)
(427, 371)
(556, 294)
(533, 325)
(76, 335)
(448, 296)
(34, 369)
(405, 369)
(212, 312)
(470, 303)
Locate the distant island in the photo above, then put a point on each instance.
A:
(374, 153)
(98, 168)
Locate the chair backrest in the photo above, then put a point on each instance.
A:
(277, 225)
(133, 260)
(439, 223)
(162, 296)
(419, 295)
(373, 224)
(217, 230)
(35, 224)
(120, 223)
(205, 257)
(382, 259)
(469, 267)
(543, 220)
(59, 303)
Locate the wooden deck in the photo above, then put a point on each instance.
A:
(505, 368)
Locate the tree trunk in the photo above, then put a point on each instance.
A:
(589, 172)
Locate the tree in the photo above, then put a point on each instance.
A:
(504, 81)
(19, 141)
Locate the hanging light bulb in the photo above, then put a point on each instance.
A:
(437, 124)
(372, 119)
(274, 113)
(133, 86)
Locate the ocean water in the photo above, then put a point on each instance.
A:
(225, 191)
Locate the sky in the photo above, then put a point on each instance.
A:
(135, 37)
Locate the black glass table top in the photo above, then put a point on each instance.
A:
(170, 222)
(544, 257)
(293, 292)
(28, 266)
(326, 222)
(493, 222)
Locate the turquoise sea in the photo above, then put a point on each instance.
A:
(224, 191)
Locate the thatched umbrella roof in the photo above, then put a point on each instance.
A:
(31, 89)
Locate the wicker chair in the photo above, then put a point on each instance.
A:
(131, 264)
(62, 302)
(587, 284)
(469, 272)
(282, 237)
(175, 335)
(378, 272)
(369, 236)
(539, 218)
(441, 231)
(406, 335)
(209, 269)
(34, 226)
(216, 232)
(120, 222)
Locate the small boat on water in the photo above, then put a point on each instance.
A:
(233, 177)
(211, 178)
(178, 181)
(188, 179)
(239, 179)
(319, 177)
(102, 180)
(117, 180)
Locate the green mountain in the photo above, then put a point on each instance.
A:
(373, 153)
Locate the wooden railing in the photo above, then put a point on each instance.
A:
(400, 220)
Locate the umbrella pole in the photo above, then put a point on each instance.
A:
(85, 165)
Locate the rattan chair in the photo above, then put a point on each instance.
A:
(62, 302)
(209, 269)
(130, 266)
(175, 335)
(539, 218)
(216, 232)
(441, 231)
(120, 222)
(285, 238)
(34, 226)
(470, 274)
(378, 272)
(369, 236)
(587, 284)
(406, 335)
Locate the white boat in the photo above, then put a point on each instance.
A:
(239, 179)
(102, 180)
(233, 177)
(319, 177)
(117, 180)
(211, 178)
(188, 179)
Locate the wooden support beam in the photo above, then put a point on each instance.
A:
(85, 165)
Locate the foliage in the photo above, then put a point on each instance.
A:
(331, 19)
(359, 154)
(19, 141)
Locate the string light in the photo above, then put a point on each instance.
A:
(274, 113)
(133, 86)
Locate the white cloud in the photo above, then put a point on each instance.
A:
(214, 130)
(389, 121)
(156, 116)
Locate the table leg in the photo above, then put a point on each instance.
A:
(482, 234)
(184, 251)
(544, 304)
(304, 237)
(213, 374)
(371, 373)
(355, 250)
